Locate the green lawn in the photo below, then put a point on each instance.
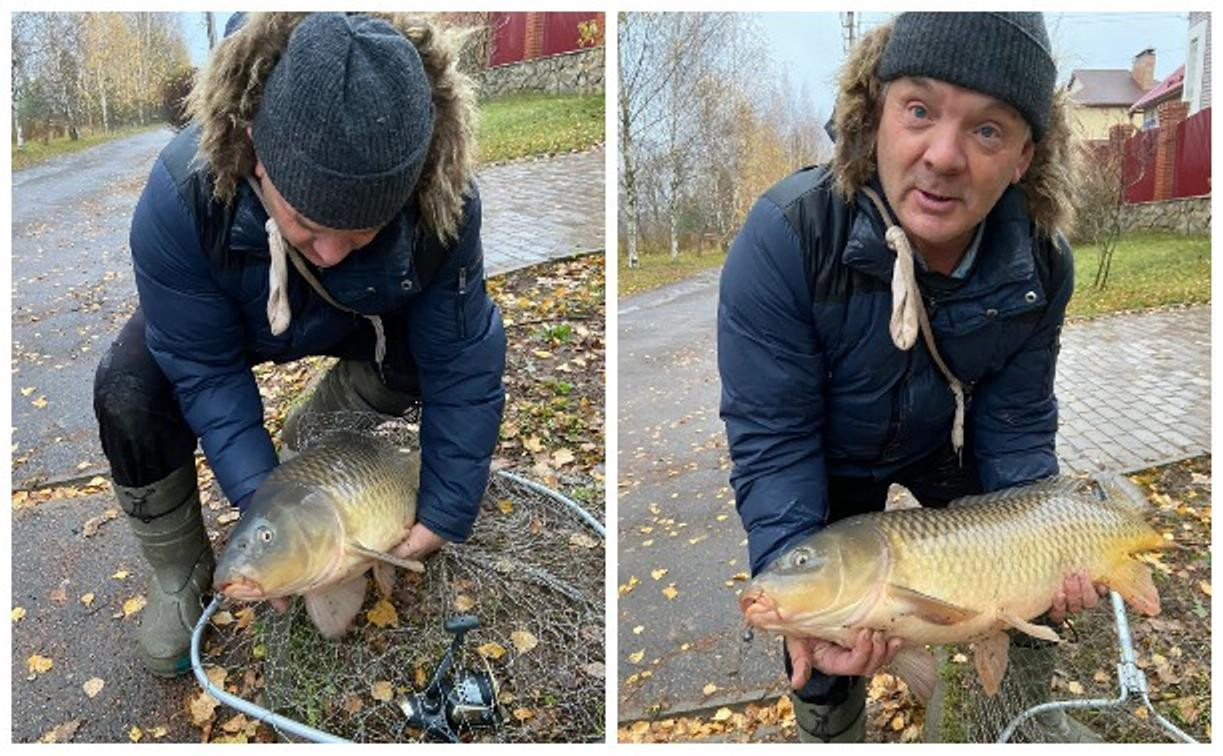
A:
(1149, 269)
(524, 125)
(34, 152)
(658, 269)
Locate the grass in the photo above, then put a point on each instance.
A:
(658, 269)
(525, 125)
(1149, 270)
(35, 151)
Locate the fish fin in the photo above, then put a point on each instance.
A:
(915, 665)
(929, 608)
(1055, 484)
(1044, 632)
(990, 654)
(382, 556)
(333, 609)
(1132, 579)
(384, 578)
(1121, 492)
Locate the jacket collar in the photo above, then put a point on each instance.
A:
(1005, 254)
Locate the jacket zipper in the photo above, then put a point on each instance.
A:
(462, 321)
(894, 426)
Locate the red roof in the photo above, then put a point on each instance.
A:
(1164, 90)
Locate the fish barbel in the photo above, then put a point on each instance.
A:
(966, 573)
(318, 522)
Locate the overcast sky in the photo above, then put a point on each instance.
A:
(809, 44)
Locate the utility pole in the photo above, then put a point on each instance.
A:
(850, 29)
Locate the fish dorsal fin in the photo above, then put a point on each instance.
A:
(1044, 632)
(334, 608)
(1121, 492)
(1056, 484)
(382, 556)
(931, 609)
(990, 655)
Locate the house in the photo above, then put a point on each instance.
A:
(1101, 98)
(1168, 90)
(1197, 63)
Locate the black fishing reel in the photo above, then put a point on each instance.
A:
(456, 699)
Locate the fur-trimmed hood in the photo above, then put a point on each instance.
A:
(1047, 186)
(226, 97)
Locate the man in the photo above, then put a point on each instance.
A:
(320, 203)
(943, 202)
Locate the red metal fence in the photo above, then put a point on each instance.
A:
(1138, 171)
(1156, 170)
(1192, 172)
(523, 36)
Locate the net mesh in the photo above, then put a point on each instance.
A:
(532, 572)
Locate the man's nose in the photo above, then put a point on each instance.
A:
(331, 250)
(945, 151)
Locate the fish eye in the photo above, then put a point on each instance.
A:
(264, 533)
(800, 558)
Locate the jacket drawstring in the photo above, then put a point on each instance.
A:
(908, 314)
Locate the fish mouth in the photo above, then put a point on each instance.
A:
(240, 588)
(759, 609)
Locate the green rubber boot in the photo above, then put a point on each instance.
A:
(351, 385)
(833, 723)
(166, 520)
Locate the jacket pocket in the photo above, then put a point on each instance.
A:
(460, 304)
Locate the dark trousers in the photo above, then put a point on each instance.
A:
(144, 434)
(934, 481)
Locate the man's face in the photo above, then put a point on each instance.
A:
(945, 155)
(320, 245)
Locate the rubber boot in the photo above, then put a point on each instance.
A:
(843, 722)
(351, 385)
(166, 520)
(1030, 669)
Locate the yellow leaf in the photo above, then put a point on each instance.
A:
(216, 675)
(93, 686)
(1101, 676)
(87, 599)
(670, 591)
(40, 402)
(562, 457)
(583, 541)
(658, 573)
(158, 732)
(491, 651)
(533, 444)
(381, 690)
(898, 723)
(523, 714)
(595, 669)
(135, 734)
(27, 391)
(121, 574)
(202, 707)
(506, 506)
(38, 664)
(1205, 586)
(648, 542)
(133, 605)
(61, 733)
(523, 640)
(721, 517)
(739, 576)
(18, 614)
(222, 618)
(627, 588)
(709, 689)
(722, 715)
(383, 614)
(245, 617)
(636, 656)
(637, 630)
(1075, 688)
(463, 602)
(353, 704)
(236, 723)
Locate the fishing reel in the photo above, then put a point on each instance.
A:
(456, 698)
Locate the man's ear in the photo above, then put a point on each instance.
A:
(1025, 160)
(258, 164)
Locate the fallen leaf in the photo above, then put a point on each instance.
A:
(27, 391)
(1101, 676)
(120, 575)
(722, 714)
(1075, 688)
(523, 715)
(61, 733)
(381, 690)
(37, 665)
(87, 599)
(636, 656)
(158, 732)
(135, 734)
(353, 704)
(60, 594)
(216, 675)
(637, 630)
(93, 686)
(523, 641)
(18, 614)
(463, 602)
(83, 465)
(40, 402)
(898, 723)
(133, 605)
(533, 444)
(506, 506)
(562, 457)
(670, 591)
(595, 669)
(491, 651)
(709, 689)
(1205, 586)
(383, 614)
(627, 588)
(583, 540)
(222, 618)
(245, 617)
(658, 573)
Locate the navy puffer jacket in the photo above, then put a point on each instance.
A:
(813, 386)
(202, 276)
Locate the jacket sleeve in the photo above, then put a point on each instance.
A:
(195, 334)
(459, 345)
(772, 374)
(1014, 412)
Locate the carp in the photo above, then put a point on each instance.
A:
(963, 574)
(319, 522)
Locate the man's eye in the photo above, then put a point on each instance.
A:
(918, 111)
(989, 132)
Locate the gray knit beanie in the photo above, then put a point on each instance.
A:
(345, 121)
(1004, 55)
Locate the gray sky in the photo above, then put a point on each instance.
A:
(197, 39)
(809, 44)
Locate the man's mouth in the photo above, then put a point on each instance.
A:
(934, 202)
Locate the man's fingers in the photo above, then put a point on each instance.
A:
(1057, 612)
(800, 661)
(280, 605)
(1088, 592)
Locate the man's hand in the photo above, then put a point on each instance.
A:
(420, 543)
(871, 650)
(1077, 593)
